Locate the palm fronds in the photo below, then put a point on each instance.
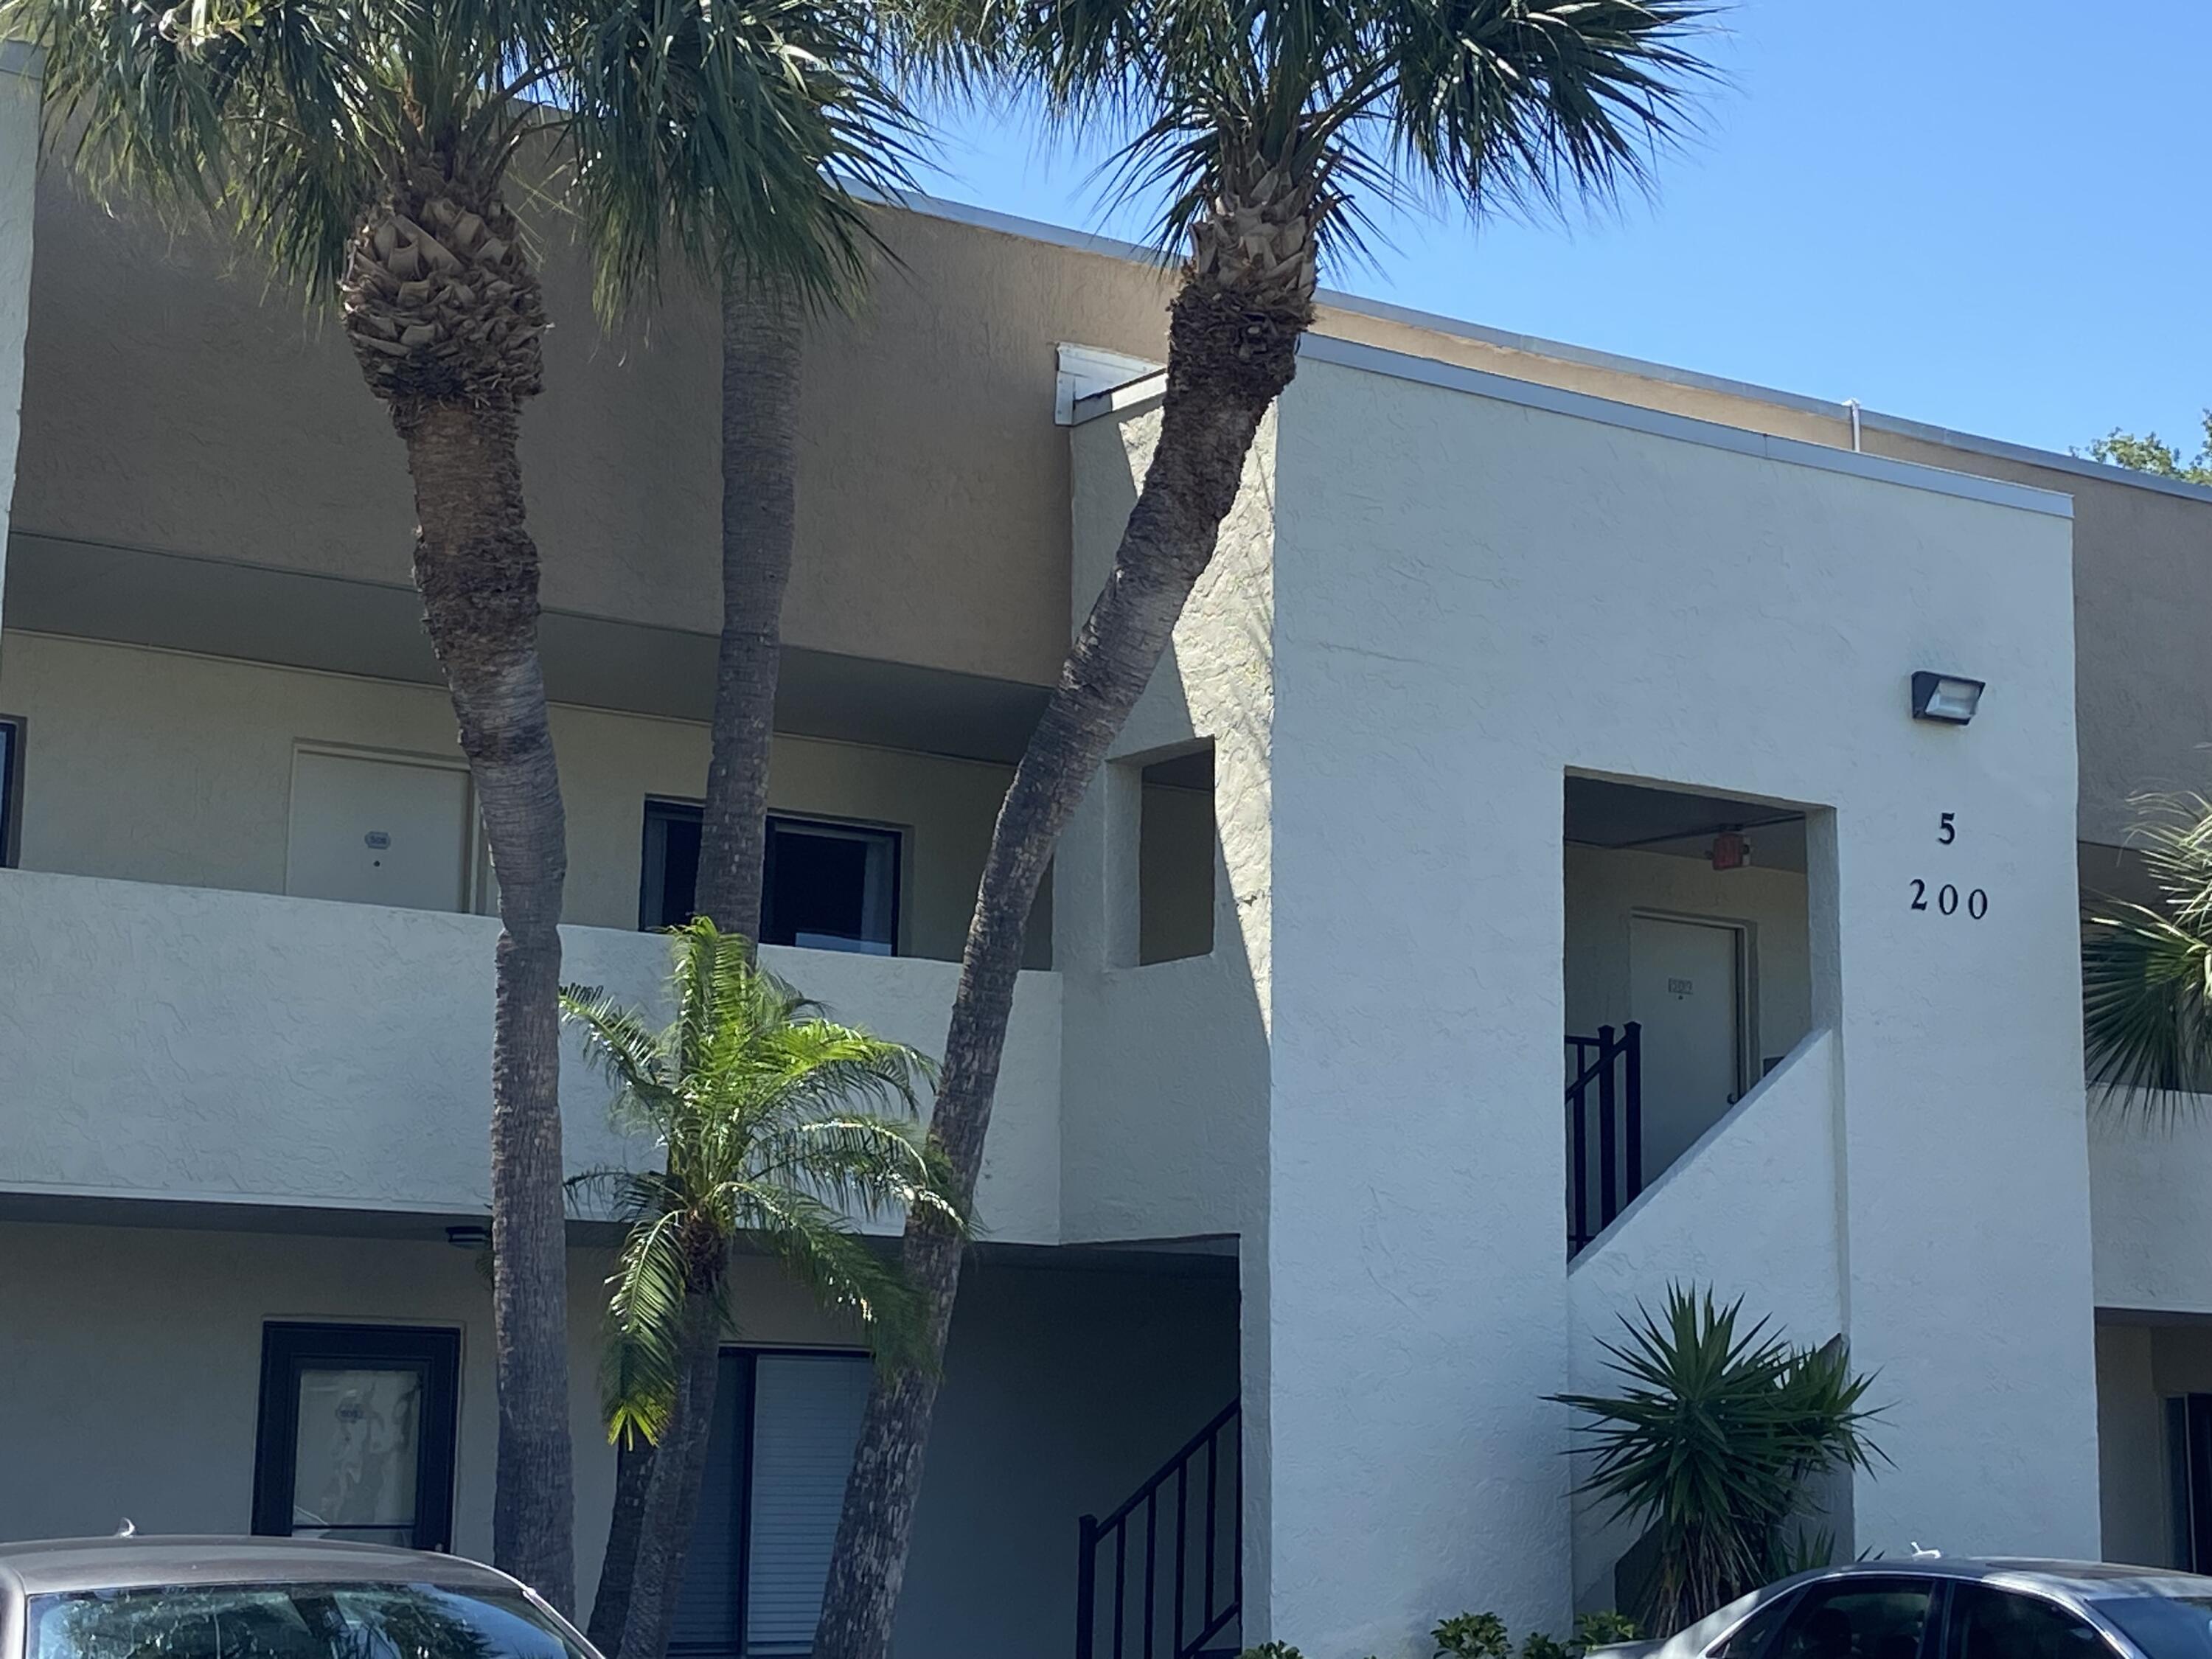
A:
(771, 1123)
(2147, 967)
(1711, 1442)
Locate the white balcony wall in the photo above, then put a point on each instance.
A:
(179, 1042)
(160, 766)
(1770, 1169)
(2150, 1176)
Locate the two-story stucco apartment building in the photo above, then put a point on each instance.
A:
(1535, 697)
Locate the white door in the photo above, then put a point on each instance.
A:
(377, 830)
(1685, 987)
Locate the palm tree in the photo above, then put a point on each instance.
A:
(365, 147)
(2147, 969)
(760, 1110)
(1264, 122)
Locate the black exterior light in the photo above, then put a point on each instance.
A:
(1950, 699)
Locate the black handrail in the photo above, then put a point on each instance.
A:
(1609, 1065)
(1167, 1630)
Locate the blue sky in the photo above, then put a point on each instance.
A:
(1986, 213)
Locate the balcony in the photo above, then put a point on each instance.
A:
(196, 1045)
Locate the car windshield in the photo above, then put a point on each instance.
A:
(2164, 1626)
(293, 1621)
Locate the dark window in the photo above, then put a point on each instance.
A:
(777, 1456)
(1175, 859)
(1856, 1619)
(11, 790)
(827, 886)
(1994, 1624)
(1749, 1639)
(356, 1438)
(2164, 1627)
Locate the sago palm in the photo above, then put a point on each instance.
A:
(1268, 124)
(365, 147)
(770, 1125)
(1713, 1445)
(2147, 969)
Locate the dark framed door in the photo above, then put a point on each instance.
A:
(356, 1433)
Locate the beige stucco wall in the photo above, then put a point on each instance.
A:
(130, 1375)
(158, 766)
(173, 402)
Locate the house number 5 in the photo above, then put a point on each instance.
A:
(1946, 897)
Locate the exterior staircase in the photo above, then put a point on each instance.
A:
(1163, 1576)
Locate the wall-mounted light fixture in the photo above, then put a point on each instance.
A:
(1949, 698)
(468, 1237)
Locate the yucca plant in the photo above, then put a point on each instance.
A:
(770, 1124)
(2147, 967)
(1268, 126)
(1713, 1443)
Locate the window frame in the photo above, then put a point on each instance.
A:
(290, 1346)
(653, 873)
(11, 789)
(750, 1355)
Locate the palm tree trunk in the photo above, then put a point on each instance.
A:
(1230, 353)
(678, 1466)
(761, 342)
(477, 569)
(760, 493)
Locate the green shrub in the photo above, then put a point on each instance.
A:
(1473, 1636)
(1597, 1630)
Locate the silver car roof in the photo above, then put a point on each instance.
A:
(61, 1565)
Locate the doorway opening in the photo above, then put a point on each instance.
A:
(1687, 975)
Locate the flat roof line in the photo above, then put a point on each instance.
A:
(1533, 345)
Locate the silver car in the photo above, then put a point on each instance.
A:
(1928, 1607)
(265, 1598)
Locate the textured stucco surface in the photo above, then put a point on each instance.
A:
(1440, 557)
(2148, 1179)
(181, 1042)
(1752, 1210)
(1063, 1388)
(174, 404)
(160, 766)
(1170, 1058)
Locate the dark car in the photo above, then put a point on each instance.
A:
(265, 1598)
(1929, 1607)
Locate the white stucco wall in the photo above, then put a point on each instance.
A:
(1753, 1210)
(19, 155)
(1164, 1078)
(188, 1043)
(1447, 549)
(129, 1375)
(160, 766)
(2150, 1173)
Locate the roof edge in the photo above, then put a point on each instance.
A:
(1037, 230)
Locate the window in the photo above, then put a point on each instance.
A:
(302, 1619)
(782, 1444)
(357, 1437)
(2164, 1627)
(11, 791)
(1749, 1640)
(1993, 1624)
(1856, 1619)
(1175, 859)
(827, 886)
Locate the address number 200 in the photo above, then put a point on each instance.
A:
(1948, 900)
